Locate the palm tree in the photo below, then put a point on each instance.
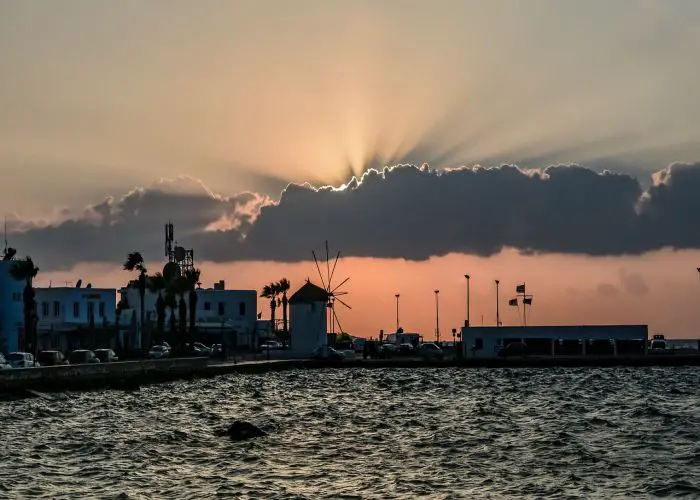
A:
(134, 262)
(192, 277)
(270, 292)
(283, 287)
(171, 303)
(25, 270)
(117, 321)
(157, 284)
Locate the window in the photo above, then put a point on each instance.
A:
(102, 309)
(76, 309)
(222, 308)
(207, 306)
(241, 308)
(56, 308)
(91, 311)
(478, 343)
(44, 309)
(17, 297)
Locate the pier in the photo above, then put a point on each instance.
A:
(130, 375)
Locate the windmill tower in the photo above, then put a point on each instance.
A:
(333, 290)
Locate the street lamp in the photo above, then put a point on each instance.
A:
(498, 314)
(437, 316)
(467, 323)
(397, 311)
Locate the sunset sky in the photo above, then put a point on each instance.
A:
(262, 129)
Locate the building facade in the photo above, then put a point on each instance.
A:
(11, 309)
(565, 340)
(227, 314)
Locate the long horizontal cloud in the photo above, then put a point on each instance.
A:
(403, 212)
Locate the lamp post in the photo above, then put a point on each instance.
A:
(437, 316)
(467, 323)
(498, 314)
(397, 311)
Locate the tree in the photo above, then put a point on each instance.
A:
(270, 292)
(157, 284)
(192, 277)
(171, 303)
(134, 262)
(25, 270)
(283, 287)
(117, 326)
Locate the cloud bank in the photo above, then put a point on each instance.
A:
(400, 212)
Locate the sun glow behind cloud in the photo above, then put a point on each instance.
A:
(97, 94)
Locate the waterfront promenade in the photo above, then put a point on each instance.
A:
(130, 375)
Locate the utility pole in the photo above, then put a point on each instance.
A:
(467, 323)
(437, 316)
(498, 313)
(397, 312)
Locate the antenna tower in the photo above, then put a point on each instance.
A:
(333, 290)
(176, 254)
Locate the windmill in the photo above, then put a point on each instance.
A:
(333, 290)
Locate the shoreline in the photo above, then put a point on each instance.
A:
(131, 375)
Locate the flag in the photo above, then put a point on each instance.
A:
(528, 301)
(520, 288)
(513, 302)
(259, 315)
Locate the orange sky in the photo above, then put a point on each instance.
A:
(566, 289)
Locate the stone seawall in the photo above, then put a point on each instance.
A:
(118, 375)
(132, 374)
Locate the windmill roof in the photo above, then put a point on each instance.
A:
(308, 294)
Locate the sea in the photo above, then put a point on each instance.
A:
(442, 433)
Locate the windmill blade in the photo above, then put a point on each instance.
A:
(341, 284)
(319, 269)
(335, 317)
(328, 266)
(343, 303)
(330, 280)
(340, 293)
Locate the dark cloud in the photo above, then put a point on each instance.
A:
(404, 212)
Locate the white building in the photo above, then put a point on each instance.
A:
(308, 319)
(565, 340)
(219, 311)
(11, 309)
(67, 308)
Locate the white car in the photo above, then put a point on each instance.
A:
(4, 365)
(271, 345)
(22, 360)
(159, 352)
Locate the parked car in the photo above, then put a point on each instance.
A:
(159, 352)
(22, 360)
(202, 349)
(51, 358)
(106, 355)
(327, 352)
(431, 351)
(82, 357)
(4, 365)
(270, 345)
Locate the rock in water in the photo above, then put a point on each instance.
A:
(241, 430)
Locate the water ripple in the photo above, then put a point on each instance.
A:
(356, 433)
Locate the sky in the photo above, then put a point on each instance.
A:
(541, 141)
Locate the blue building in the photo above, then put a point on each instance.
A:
(11, 309)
